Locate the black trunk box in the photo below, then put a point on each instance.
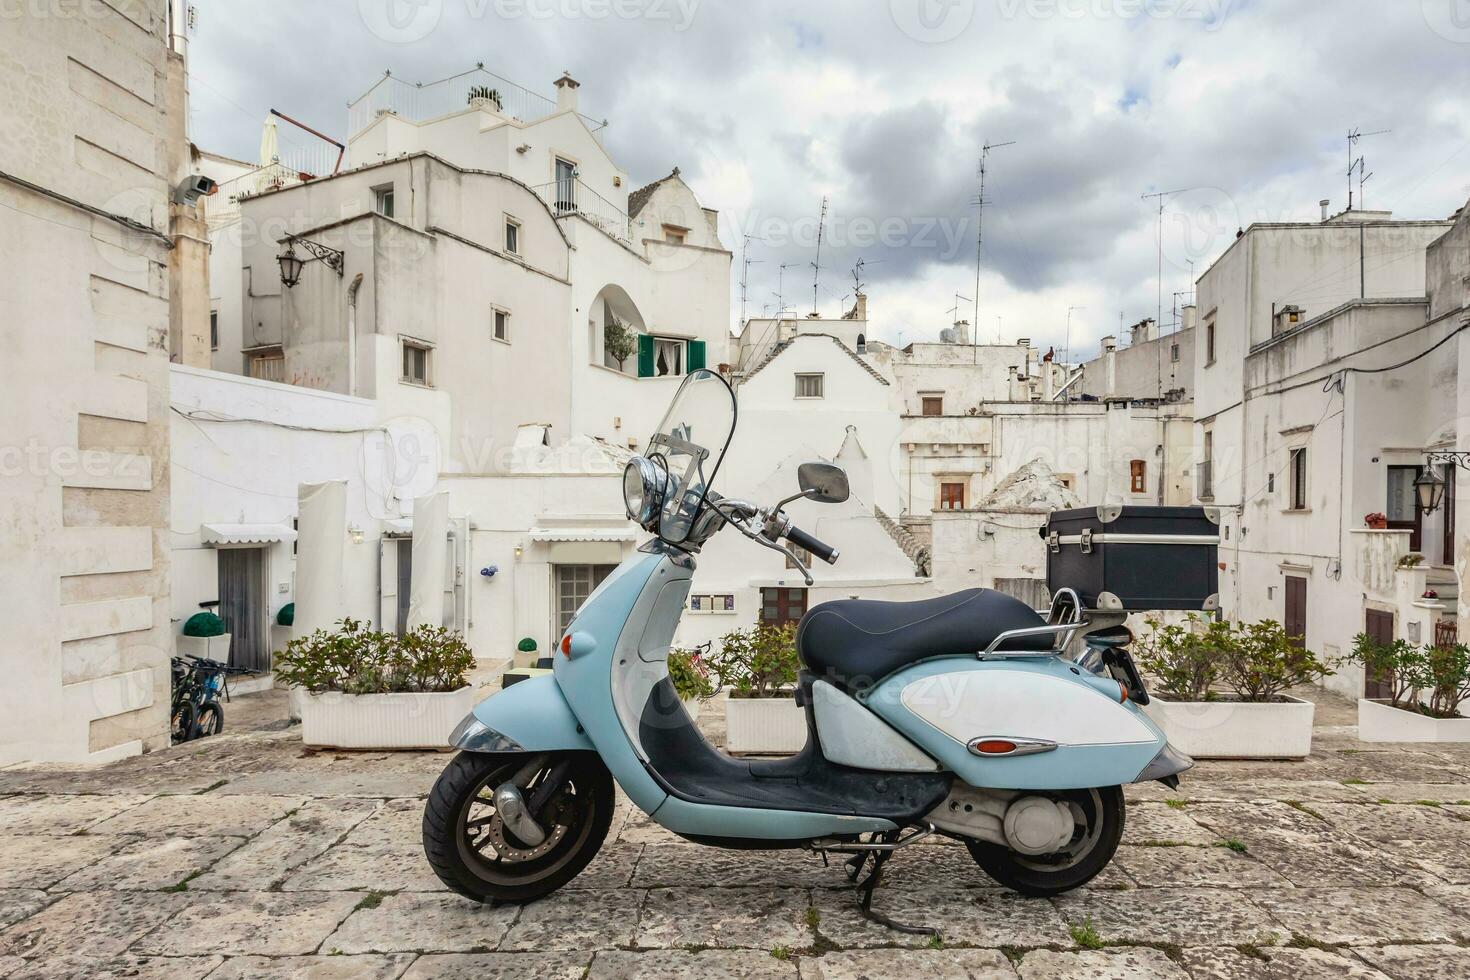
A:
(1135, 558)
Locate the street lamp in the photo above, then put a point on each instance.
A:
(291, 264)
(1430, 489)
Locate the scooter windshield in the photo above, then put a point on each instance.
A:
(689, 444)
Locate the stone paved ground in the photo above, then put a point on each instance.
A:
(249, 856)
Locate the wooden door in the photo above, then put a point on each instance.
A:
(1295, 618)
(1403, 504)
(1379, 627)
(782, 606)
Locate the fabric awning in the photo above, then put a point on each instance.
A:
(612, 532)
(245, 533)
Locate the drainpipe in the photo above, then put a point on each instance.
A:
(352, 335)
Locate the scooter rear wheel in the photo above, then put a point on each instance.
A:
(1093, 844)
(476, 854)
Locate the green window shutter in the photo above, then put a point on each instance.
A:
(696, 355)
(645, 356)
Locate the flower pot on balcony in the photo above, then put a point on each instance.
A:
(1379, 721)
(382, 721)
(764, 725)
(1236, 729)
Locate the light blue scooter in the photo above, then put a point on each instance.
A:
(956, 715)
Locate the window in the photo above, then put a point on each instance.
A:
(415, 363)
(501, 329)
(383, 200)
(1209, 343)
(668, 357)
(566, 185)
(1174, 353)
(803, 558)
(951, 496)
(782, 606)
(512, 235)
(1138, 476)
(574, 583)
(674, 235)
(1205, 480)
(931, 404)
(214, 329)
(720, 603)
(1403, 509)
(810, 385)
(1298, 467)
(862, 344)
(267, 364)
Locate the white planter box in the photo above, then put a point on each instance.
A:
(382, 721)
(1379, 721)
(1234, 729)
(775, 725)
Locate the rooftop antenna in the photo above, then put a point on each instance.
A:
(1160, 197)
(997, 329)
(745, 264)
(817, 265)
(954, 311)
(979, 204)
(781, 285)
(1353, 136)
(1067, 350)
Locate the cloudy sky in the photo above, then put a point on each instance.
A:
(883, 107)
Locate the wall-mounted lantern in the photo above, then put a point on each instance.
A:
(291, 263)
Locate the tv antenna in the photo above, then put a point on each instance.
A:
(781, 286)
(817, 264)
(954, 311)
(997, 329)
(979, 204)
(1353, 136)
(1160, 197)
(745, 264)
(1067, 349)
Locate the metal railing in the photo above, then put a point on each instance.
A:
(421, 101)
(570, 195)
(223, 205)
(1446, 633)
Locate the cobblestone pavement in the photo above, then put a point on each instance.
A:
(249, 856)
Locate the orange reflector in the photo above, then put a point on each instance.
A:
(994, 746)
(1122, 692)
(566, 646)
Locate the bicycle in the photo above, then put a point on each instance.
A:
(196, 711)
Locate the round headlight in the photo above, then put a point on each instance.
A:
(642, 490)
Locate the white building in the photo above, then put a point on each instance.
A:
(1323, 374)
(93, 117)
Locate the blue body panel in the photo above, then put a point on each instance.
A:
(534, 715)
(574, 709)
(1066, 767)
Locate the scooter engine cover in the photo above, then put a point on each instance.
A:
(1037, 825)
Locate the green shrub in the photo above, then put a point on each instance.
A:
(358, 660)
(690, 675)
(1440, 673)
(287, 615)
(1183, 659)
(760, 662)
(527, 645)
(1262, 660)
(204, 624)
(1255, 660)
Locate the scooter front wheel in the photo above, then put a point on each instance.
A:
(1099, 828)
(476, 853)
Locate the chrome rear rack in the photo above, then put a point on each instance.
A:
(1064, 619)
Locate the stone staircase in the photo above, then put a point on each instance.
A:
(916, 550)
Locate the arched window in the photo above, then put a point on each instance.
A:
(862, 344)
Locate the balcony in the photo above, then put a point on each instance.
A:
(570, 196)
(421, 101)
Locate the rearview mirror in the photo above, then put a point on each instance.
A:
(822, 482)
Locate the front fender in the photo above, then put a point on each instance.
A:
(531, 716)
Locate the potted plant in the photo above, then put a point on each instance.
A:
(619, 341)
(365, 689)
(759, 666)
(526, 651)
(1377, 520)
(691, 678)
(1427, 684)
(483, 96)
(204, 636)
(1253, 717)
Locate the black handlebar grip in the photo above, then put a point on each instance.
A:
(820, 549)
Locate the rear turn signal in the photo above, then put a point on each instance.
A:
(1122, 692)
(566, 646)
(993, 746)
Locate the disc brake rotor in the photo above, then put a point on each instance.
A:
(511, 850)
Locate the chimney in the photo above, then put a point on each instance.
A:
(566, 92)
(962, 331)
(1023, 341)
(1141, 331)
(1109, 343)
(1110, 372)
(1189, 317)
(1324, 204)
(860, 307)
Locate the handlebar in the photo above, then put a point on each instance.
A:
(819, 549)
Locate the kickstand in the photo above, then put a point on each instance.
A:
(865, 892)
